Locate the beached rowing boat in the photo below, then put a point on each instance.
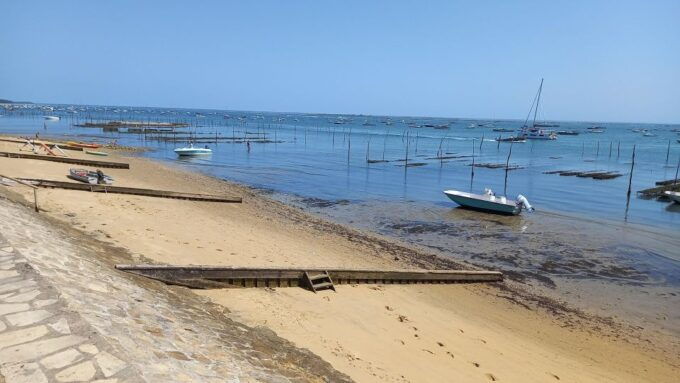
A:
(90, 177)
(489, 202)
(84, 145)
(95, 153)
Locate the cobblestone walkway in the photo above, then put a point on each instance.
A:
(40, 340)
(67, 315)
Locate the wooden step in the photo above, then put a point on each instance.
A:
(319, 281)
(316, 277)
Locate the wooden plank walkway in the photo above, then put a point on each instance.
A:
(207, 277)
(128, 190)
(68, 160)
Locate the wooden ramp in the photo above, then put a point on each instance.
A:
(128, 190)
(208, 277)
(68, 160)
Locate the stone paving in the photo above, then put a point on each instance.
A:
(67, 315)
(40, 340)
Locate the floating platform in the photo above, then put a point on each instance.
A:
(594, 174)
(208, 277)
(133, 191)
(68, 160)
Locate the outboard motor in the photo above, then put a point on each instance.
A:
(523, 202)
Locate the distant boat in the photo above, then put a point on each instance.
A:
(648, 134)
(192, 151)
(534, 132)
(488, 202)
(546, 125)
(90, 177)
(568, 132)
(51, 118)
(503, 130)
(592, 130)
(674, 196)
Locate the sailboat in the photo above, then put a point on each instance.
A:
(535, 131)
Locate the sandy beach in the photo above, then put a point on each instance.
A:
(417, 333)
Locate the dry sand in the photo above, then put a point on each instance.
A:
(416, 333)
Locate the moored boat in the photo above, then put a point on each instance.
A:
(568, 132)
(51, 118)
(489, 202)
(674, 196)
(535, 131)
(192, 151)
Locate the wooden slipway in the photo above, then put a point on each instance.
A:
(133, 191)
(68, 160)
(207, 277)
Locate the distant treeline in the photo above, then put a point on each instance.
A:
(3, 101)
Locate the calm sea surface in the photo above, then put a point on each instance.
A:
(582, 232)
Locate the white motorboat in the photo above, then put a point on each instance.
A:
(192, 151)
(489, 202)
(674, 196)
(51, 118)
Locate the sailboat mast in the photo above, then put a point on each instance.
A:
(538, 101)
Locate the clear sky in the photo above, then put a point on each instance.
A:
(601, 60)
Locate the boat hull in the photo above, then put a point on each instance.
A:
(193, 152)
(674, 196)
(482, 203)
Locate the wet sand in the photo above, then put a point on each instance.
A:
(414, 333)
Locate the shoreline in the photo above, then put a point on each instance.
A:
(273, 220)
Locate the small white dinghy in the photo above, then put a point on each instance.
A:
(192, 151)
(489, 202)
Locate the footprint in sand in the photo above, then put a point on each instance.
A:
(491, 377)
(475, 364)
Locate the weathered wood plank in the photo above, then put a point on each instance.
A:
(132, 191)
(265, 277)
(68, 160)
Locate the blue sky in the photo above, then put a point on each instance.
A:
(601, 60)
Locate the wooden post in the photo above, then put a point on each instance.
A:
(472, 168)
(507, 165)
(630, 183)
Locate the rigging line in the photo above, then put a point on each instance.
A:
(538, 101)
(532, 108)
